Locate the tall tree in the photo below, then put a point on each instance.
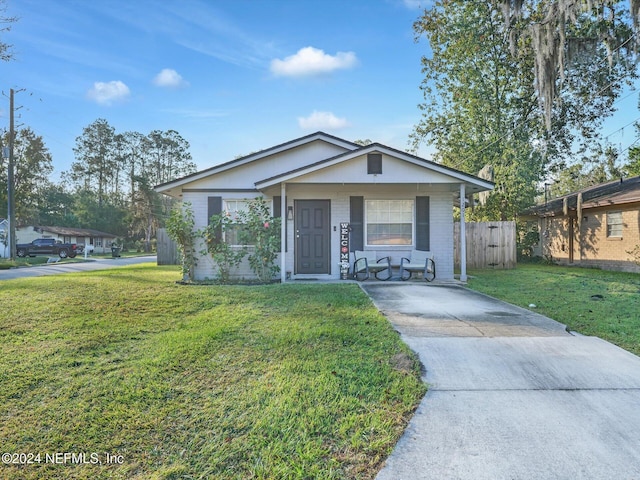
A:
(114, 174)
(107, 216)
(146, 211)
(632, 168)
(57, 206)
(481, 103)
(6, 53)
(134, 154)
(32, 169)
(559, 31)
(168, 155)
(586, 173)
(95, 159)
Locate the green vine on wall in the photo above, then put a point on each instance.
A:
(225, 256)
(180, 228)
(257, 232)
(262, 232)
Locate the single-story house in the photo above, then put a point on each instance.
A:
(597, 226)
(392, 201)
(100, 241)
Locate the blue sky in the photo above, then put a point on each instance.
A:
(231, 76)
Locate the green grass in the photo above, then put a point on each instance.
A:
(42, 259)
(589, 301)
(123, 254)
(22, 262)
(213, 382)
(34, 261)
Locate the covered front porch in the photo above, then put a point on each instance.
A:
(320, 221)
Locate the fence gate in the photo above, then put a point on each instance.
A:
(167, 249)
(489, 245)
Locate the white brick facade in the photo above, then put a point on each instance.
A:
(322, 167)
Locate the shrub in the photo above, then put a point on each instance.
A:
(180, 228)
(262, 231)
(224, 255)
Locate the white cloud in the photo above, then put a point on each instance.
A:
(170, 78)
(322, 121)
(106, 93)
(311, 61)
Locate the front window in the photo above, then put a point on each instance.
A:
(231, 208)
(614, 224)
(389, 222)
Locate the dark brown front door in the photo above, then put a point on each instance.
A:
(312, 236)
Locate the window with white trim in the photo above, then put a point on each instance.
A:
(614, 224)
(389, 222)
(232, 207)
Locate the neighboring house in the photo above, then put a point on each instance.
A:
(394, 202)
(4, 238)
(597, 226)
(101, 241)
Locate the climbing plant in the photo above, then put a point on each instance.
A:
(262, 232)
(180, 228)
(225, 256)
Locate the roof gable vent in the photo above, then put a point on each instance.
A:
(374, 163)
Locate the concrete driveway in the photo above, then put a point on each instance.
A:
(512, 395)
(57, 269)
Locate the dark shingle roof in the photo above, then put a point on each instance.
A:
(75, 232)
(610, 193)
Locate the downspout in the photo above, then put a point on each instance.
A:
(283, 232)
(463, 236)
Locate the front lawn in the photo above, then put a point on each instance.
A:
(5, 263)
(589, 301)
(136, 377)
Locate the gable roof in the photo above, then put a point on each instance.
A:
(350, 151)
(474, 183)
(617, 192)
(253, 157)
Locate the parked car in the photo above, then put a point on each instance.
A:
(47, 246)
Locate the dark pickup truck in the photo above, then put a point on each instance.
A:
(47, 246)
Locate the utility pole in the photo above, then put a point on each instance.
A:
(11, 185)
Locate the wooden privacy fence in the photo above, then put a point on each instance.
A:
(167, 249)
(489, 245)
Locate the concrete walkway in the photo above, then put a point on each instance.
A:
(57, 269)
(512, 395)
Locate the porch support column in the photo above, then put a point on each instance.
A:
(283, 232)
(463, 236)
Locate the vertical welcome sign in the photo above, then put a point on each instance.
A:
(344, 251)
